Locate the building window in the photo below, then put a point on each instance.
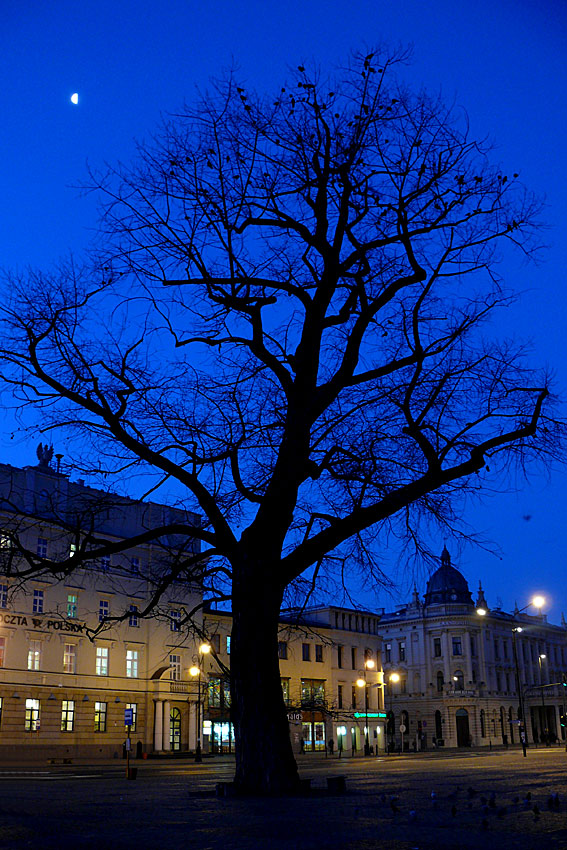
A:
(135, 565)
(312, 690)
(2, 650)
(175, 620)
(496, 649)
(37, 604)
(457, 646)
(72, 605)
(473, 646)
(134, 707)
(133, 619)
(32, 715)
(3, 595)
(175, 668)
(440, 682)
(340, 696)
(70, 658)
(42, 547)
(102, 661)
(437, 647)
(34, 655)
(319, 652)
(103, 610)
(100, 716)
(132, 663)
(67, 715)
(282, 649)
(228, 644)
(353, 697)
(306, 651)
(388, 652)
(459, 680)
(402, 650)
(340, 650)
(403, 684)
(104, 562)
(285, 690)
(505, 648)
(73, 549)
(353, 657)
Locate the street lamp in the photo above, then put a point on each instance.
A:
(538, 601)
(195, 670)
(540, 659)
(362, 682)
(392, 679)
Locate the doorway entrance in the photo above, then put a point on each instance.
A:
(175, 729)
(463, 731)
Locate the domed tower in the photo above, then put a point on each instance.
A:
(447, 585)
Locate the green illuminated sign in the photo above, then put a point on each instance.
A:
(370, 714)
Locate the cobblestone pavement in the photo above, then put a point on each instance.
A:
(453, 800)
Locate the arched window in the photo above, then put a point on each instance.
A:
(440, 682)
(458, 680)
(482, 723)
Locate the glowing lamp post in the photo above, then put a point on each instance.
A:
(195, 671)
(362, 682)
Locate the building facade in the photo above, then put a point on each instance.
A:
(464, 676)
(67, 671)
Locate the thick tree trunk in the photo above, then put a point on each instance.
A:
(264, 758)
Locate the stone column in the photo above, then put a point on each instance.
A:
(166, 725)
(158, 725)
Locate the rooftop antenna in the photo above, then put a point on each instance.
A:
(59, 457)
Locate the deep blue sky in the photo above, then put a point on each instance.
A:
(130, 60)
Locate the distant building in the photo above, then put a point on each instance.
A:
(458, 670)
(62, 693)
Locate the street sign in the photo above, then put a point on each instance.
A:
(128, 717)
(294, 716)
(402, 728)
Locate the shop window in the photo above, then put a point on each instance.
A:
(175, 729)
(306, 651)
(457, 646)
(132, 663)
(134, 708)
(37, 602)
(100, 709)
(32, 717)
(133, 618)
(67, 715)
(69, 658)
(175, 667)
(34, 655)
(101, 667)
(228, 644)
(282, 649)
(103, 610)
(319, 652)
(41, 548)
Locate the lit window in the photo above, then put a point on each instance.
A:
(228, 645)
(102, 661)
(70, 658)
(175, 620)
(100, 716)
(134, 707)
(5, 541)
(34, 654)
(133, 619)
(67, 715)
(175, 668)
(42, 547)
(3, 595)
(285, 690)
(132, 663)
(72, 605)
(37, 604)
(32, 715)
(103, 610)
(73, 549)
(2, 650)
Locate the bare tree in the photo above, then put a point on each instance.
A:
(288, 316)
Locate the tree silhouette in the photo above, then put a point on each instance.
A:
(288, 315)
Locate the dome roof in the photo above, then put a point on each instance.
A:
(447, 584)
